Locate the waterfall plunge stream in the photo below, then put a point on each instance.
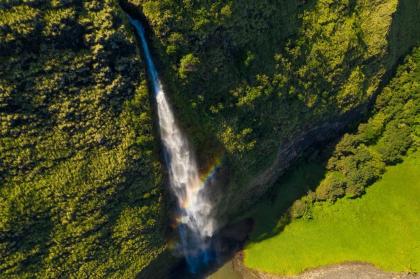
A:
(195, 223)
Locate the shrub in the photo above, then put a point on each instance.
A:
(188, 64)
(301, 208)
(395, 142)
(332, 187)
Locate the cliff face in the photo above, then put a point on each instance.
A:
(249, 78)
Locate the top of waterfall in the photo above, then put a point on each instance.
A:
(150, 65)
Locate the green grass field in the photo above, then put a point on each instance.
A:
(381, 228)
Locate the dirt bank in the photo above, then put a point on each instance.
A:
(341, 271)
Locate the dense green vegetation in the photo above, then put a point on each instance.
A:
(380, 228)
(248, 77)
(80, 179)
(79, 175)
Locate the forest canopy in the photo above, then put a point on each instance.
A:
(80, 178)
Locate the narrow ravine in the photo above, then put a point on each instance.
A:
(195, 223)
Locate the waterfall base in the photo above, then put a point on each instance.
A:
(223, 246)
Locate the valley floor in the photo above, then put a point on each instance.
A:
(381, 228)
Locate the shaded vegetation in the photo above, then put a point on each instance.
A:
(79, 174)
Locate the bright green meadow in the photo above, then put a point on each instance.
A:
(381, 228)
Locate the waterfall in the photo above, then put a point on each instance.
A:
(195, 223)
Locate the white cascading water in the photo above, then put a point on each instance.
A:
(195, 223)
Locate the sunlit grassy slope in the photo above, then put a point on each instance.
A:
(381, 228)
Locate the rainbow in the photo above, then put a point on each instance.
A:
(214, 166)
(204, 181)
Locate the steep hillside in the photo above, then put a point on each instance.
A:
(80, 179)
(255, 83)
